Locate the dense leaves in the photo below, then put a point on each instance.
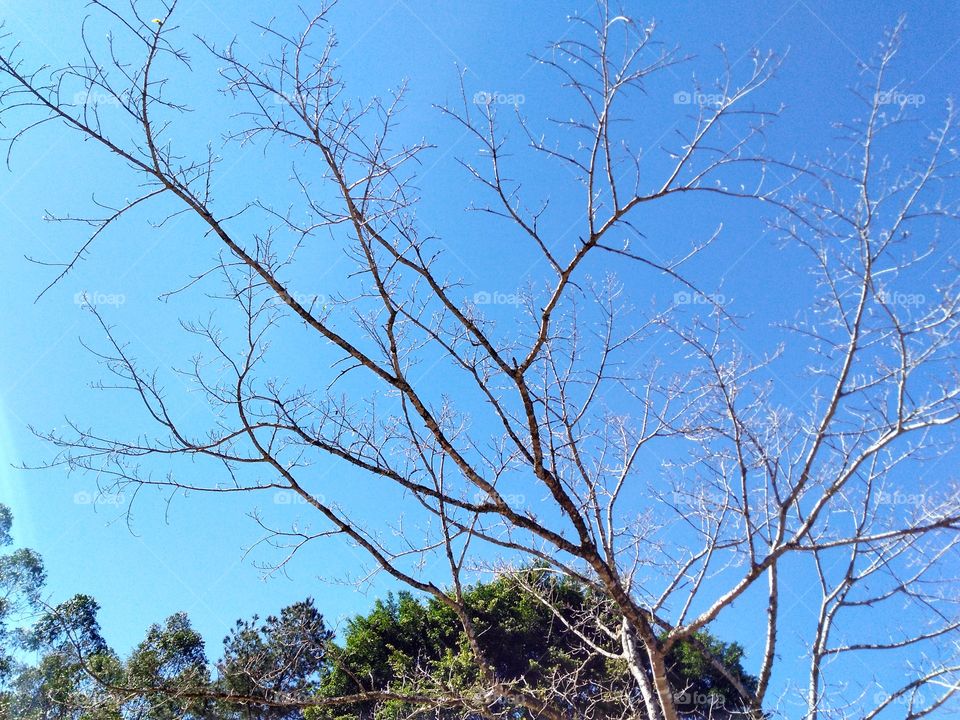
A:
(21, 580)
(536, 631)
(171, 659)
(407, 643)
(281, 658)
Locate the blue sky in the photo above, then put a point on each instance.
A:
(190, 555)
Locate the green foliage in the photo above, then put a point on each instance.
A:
(703, 685)
(171, 659)
(284, 656)
(413, 644)
(6, 523)
(72, 649)
(404, 643)
(71, 627)
(21, 580)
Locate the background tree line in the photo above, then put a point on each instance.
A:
(56, 663)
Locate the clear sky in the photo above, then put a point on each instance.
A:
(190, 556)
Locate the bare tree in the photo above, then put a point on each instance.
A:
(638, 450)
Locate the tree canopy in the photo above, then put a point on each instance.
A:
(285, 666)
(419, 644)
